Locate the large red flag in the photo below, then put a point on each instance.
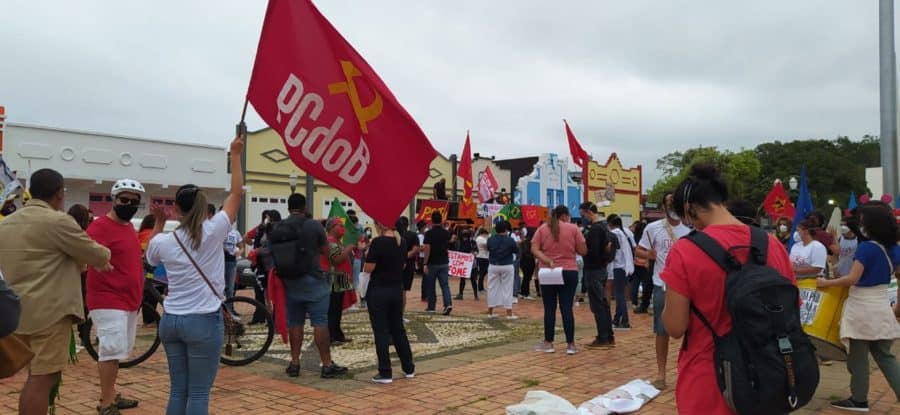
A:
(338, 119)
(466, 206)
(777, 203)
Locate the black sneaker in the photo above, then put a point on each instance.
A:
(458, 297)
(850, 405)
(623, 326)
(293, 370)
(125, 403)
(384, 380)
(333, 371)
(447, 310)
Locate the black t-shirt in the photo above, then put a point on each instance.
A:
(388, 257)
(412, 240)
(439, 239)
(597, 239)
(440, 191)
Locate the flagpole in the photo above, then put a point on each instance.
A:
(242, 131)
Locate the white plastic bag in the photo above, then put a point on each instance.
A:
(364, 278)
(542, 403)
(627, 398)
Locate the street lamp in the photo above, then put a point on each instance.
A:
(793, 183)
(292, 181)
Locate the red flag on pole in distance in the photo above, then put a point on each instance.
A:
(777, 203)
(337, 118)
(580, 158)
(466, 206)
(487, 185)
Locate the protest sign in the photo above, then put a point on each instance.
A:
(461, 264)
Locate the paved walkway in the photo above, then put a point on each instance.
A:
(483, 380)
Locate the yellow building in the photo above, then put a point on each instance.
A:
(615, 189)
(270, 171)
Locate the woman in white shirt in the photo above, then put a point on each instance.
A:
(808, 256)
(481, 258)
(192, 329)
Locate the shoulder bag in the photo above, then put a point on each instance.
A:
(14, 354)
(232, 326)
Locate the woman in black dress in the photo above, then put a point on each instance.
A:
(385, 262)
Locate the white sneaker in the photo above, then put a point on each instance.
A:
(512, 317)
(515, 301)
(493, 316)
(544, 349)
(406, 321)
(570, 350)
(409, 375)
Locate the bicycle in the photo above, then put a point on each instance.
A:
(239, 347)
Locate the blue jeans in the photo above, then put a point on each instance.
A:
(620, 281)
(193, 343)
(439, 273)
(565, 295)
(230, 274)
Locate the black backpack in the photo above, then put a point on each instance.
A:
(609, 251)
(293, 250)
(766, 363)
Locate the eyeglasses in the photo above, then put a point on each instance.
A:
(127, 201)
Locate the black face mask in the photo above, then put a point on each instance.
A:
(125, 212)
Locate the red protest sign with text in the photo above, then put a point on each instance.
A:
(487, 185)
(337, 118)
(430, 206)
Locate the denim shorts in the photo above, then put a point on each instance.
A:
(659, 302)
(297, 310)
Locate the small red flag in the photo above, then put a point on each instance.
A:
(338, 119)
(466, 206)
(487, 185)
(579, 156)
(777, 203)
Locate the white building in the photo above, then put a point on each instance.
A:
(92, 162)
(550, 185)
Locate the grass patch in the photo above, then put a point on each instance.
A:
(530, 383)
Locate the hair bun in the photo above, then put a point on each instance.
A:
(704, 171)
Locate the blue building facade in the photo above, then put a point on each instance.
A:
(549, 185)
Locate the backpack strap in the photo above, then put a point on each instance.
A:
(714, 250)
(759, 246)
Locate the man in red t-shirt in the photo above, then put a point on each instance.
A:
(114, 297)
(692, 278)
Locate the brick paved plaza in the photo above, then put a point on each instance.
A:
(465, 379)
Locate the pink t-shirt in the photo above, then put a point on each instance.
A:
(562, 252)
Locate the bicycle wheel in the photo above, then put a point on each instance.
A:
(253, 332)
(146, 339)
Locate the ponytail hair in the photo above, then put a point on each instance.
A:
(558, 212)
(192, 202)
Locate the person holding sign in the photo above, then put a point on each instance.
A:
(502, 250)
(867, 323)
(555, 245)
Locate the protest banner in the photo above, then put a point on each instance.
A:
(430, 206)
(461, 264)
(489, 210)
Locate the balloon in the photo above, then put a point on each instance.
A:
(864, 199)
(887, 198)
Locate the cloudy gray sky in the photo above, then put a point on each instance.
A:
(641, 78)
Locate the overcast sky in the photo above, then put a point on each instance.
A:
(641, 78)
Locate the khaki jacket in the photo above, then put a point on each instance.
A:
(41, 252)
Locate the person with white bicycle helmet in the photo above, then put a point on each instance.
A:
(114, 297)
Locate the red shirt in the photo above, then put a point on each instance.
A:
(691, 273)
(122, 288)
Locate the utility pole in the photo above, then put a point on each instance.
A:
(888, 93)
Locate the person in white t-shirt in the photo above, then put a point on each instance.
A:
(481, 258)
(192, 328)
(846, 244)
(623, 267)
(808, 256)
(655, 245)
